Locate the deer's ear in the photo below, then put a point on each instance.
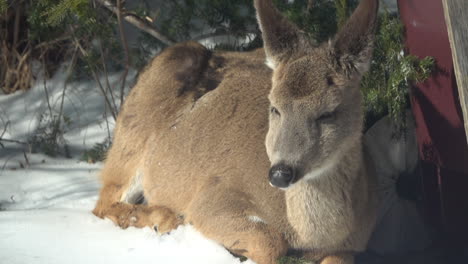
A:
(353, 45)
(281, 38)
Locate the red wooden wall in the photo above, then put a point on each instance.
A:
(439, 120)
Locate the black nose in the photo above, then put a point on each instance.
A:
(281, 175)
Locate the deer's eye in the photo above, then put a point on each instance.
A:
(327, 116)
(330, 81)
(274, 111)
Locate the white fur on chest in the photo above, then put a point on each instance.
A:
(319, 216)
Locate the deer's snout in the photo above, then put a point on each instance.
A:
(281, 175)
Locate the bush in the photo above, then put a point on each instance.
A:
(97, 152)
(49, 136)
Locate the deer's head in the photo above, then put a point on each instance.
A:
(315, 113)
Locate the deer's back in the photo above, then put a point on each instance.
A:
(199, 118)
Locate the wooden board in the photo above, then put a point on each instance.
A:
(456, 18)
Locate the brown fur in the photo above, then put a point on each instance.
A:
(191, 138)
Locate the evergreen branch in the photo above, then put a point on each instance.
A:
(59, 12)
(137, 22)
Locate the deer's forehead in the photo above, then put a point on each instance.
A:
(302, 76)
(317, 100)
(305, 80)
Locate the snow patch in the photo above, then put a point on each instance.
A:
(46, 203)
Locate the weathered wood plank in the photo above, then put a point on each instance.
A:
(456, 17)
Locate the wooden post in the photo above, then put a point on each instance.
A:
(456, 18)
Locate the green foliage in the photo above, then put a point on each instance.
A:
(318, 22)
(342, 12)
(292, 260)
(48, 19)
(48, 137)
(387, 84)
(61, 10)
(97, 152)
(186, 16)
(77, 19)
(3, 6)
(184, 20)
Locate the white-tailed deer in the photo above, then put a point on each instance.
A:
(191, 139)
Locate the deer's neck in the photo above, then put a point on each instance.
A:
(326, 200)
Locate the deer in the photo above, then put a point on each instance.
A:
(260, 151)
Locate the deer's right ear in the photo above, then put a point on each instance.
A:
(353, 44)
(281, 38)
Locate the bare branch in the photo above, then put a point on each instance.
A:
(3, 133)
(14, 141)
(310, 5)
(125, 46)
(45, 85)
(17, 25)
(52, 42)
(109, 89)
(96, 78)
(137, 22)
(26, 159)
(65, 84)
(218, 34)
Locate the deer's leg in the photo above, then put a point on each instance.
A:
(109, 195)
(138, 215)
(162, 219)
(338, 259)
(229, 219)
(112, 204)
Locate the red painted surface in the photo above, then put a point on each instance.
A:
(439, 121)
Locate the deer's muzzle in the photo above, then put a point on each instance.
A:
(281, 175)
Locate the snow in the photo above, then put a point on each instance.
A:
(47, 219)
(46, 202)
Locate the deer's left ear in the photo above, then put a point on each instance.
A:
(281, 38)
(353, 45)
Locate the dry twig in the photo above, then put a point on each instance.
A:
(106, 75)
(310, 5)
(96, 78)
(125, 46)
(137, 22)
(218, 34)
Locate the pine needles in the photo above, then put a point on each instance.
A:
(387, 85)
(57, 14)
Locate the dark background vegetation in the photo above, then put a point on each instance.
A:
(94, 38)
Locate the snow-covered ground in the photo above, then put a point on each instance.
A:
(46, 203)
(47, 219)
